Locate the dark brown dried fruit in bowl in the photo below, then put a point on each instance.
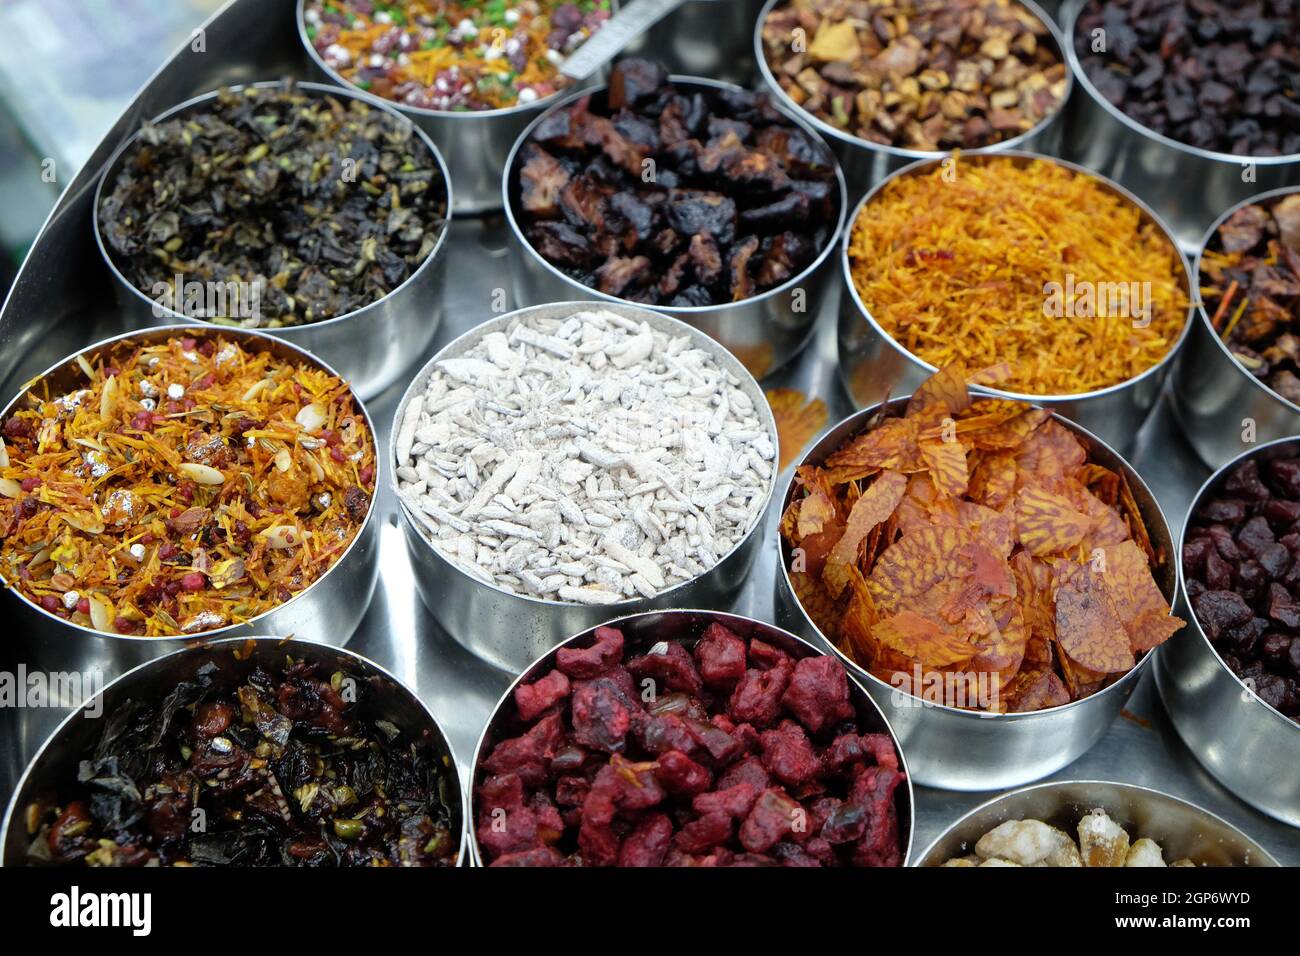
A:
(1241, 561)
(917, 74)
(677, 196)
(323, 204)
(1213, 74)
(741, 756)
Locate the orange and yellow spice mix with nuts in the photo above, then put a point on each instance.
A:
(181, 486)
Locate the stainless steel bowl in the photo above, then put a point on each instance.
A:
(511, 630)
(327, 611)
(1186, 185)
(866, 163)
(53, 770)
(955, 749)
(685, 626)
(359, 343)
(712, 38)
(1249, 747)
(1183, 830)
(873, 364)
(475, 142)
(764, 331)
(1222, 407)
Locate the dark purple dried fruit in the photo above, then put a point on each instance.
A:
(670, 198)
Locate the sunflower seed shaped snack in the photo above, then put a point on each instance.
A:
(585, 459)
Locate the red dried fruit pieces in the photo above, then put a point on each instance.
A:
(691, 783)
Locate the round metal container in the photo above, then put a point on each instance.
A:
(53, 769)
(764, 331)
(1249, 746)
(474, 142)
(866, 163)
(511, 630)
(1183, 830)
(873, 364)
(1186, 185)
(359, 343)
(327, 611)
(956, 749)
(712, 38)
(685, 626)
(1224, 410)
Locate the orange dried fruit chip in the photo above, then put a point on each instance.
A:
(1126, 576)
(920, 639)
(1046, 523)
(1088, 627)
(891, 444)
(946, 461)
(797, 420)
(874, 507)
(817, 508)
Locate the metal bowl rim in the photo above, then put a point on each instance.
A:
(423, 111)
(1071, 13)
(902, 152)
(1135, 788)
(1218, 477)
(916, 167)
(715, 615)
(491, 325)
(163, 332)
(682, 312)
(320, 89)
(1204, 316)
(1131, 677)
(218, 645)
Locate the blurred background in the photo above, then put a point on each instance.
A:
(67, 69)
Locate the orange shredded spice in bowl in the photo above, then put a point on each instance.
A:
(181, 486)
(1020, 261)
(971, 553)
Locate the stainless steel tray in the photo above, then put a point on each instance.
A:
(63, 299)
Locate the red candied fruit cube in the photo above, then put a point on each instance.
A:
(505, 824)
(788, 755)
(667, 732)
(734, 801)
(818, 695)
(605, 651)
(671, 665)
(527, 755)
(873, 788)
(757, 698)
(703, 832)
(749, 770)
(721, 657)
(770, 821)
(600, 721)
(681, 775)
(764, 656)
(648, 843)
(537, 856)
(532, 700)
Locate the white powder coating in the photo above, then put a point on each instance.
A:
(588, 459)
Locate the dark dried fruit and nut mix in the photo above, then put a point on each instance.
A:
(300, 206)
(1219, 75)
(180, 486)
(971, 553)
(1250, 283)
(444, 55)
(917, 74)
(716, 752)
(293, 768)
(673, 196)
(1241, 561)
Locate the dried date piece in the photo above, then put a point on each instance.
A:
(317, 206)
(917, 74)
(664, 196)
(1217, 75)
(1243, 577)
(717, 751)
